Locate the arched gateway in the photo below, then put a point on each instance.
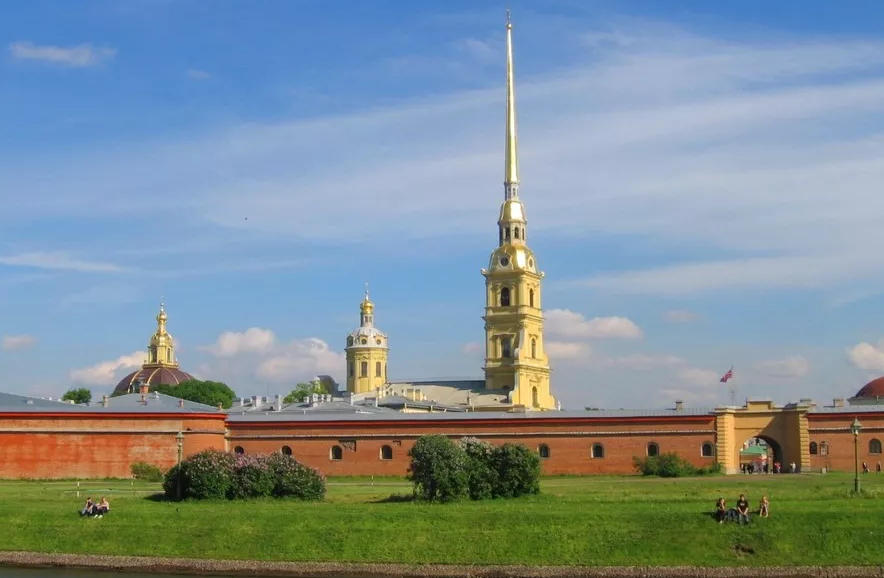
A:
(783, 429)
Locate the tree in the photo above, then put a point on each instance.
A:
(205, 392)
(81, 395)
(304, 390)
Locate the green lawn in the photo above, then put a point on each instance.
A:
(588, 521)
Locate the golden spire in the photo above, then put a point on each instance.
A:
(161, 319)
(511, 170)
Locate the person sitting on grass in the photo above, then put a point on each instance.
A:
(88, 508)
(102, 508)
(743, 509)
(721, 510)
(764, 510)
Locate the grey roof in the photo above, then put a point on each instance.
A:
(131, 403)
(848, 409)
(364, 415)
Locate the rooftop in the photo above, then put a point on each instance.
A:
(131, 403)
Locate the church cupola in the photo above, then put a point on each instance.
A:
(367, 352)
(161, 349)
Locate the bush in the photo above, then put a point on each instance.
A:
(438, 469)
(481, 476)
(295, 480)
(147, 472)
(252, 478)
(668, 465)
(517, 471)
(212, 475)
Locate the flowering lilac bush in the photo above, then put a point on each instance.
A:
(212, 475)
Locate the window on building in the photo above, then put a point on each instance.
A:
(507, 234)
(707, 450)
(505, 297)
(535, 401)
(824, 448)
(814, 449)
(531, 297)
(598, 451)
(377, 369)
(336, 453)
(385, 371)
(349, 341)
(653, 450)
(501, 235)
(286, 451)
(516, 233)
(533, 348)
(506, 347)
(874, 446)
(239, 450)
(350, 370)
(386, 453)
(543, 451)
(363, 369)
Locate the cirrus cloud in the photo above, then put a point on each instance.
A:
(17, 342)
(570, 324)
(106, 373)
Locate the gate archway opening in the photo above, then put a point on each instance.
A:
(760, 454)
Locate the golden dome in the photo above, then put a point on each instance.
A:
(512, 211)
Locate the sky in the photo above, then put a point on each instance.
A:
(702, 182)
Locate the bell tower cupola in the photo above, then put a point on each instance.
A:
(161, 348)
(367, 351)
(515, 359)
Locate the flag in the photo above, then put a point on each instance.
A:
(727, 376)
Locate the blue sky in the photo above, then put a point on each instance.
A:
(702, 183)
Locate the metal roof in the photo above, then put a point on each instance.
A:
(130, 403)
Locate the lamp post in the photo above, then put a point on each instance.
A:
(180, 439)
(855, 428)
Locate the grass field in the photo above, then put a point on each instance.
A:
(588, 521)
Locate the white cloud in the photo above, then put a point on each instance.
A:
(300, 359)
(258, 353)
(570, 324)
(17, 342)
(108, 372)
(197, 74)
(57, 260)
(696, 377)
(472, 348)
(567, 350)
(644, 362)
(83, 55)
(252, 340)
(681, 316)
(867, 356)
(790, 367)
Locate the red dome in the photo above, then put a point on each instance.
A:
(151, 376)
(874, 388)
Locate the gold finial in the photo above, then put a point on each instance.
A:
(511, 170)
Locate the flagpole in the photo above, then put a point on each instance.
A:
(733, 388)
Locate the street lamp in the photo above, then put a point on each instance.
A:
(855, 428)
(180, 439)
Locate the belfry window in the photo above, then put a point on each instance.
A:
(350, 370)
(505, 297)
(507, 234)
(377, 369)
(516, 233)
(530, 297)
(363, 369)
(533, 348)
(506, 347)
(535, 401)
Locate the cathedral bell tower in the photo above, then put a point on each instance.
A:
(367, 350)
(515, 359)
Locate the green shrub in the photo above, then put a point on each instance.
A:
(481, 475)
(147, 472)
(295, 480)
(438, 469)
(212, 474)
(517, 471)
(252, 478)
(668, 465)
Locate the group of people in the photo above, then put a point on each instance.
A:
(740, 513)
(95, 509)
(867, 470)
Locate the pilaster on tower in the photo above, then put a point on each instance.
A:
(515, 360)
